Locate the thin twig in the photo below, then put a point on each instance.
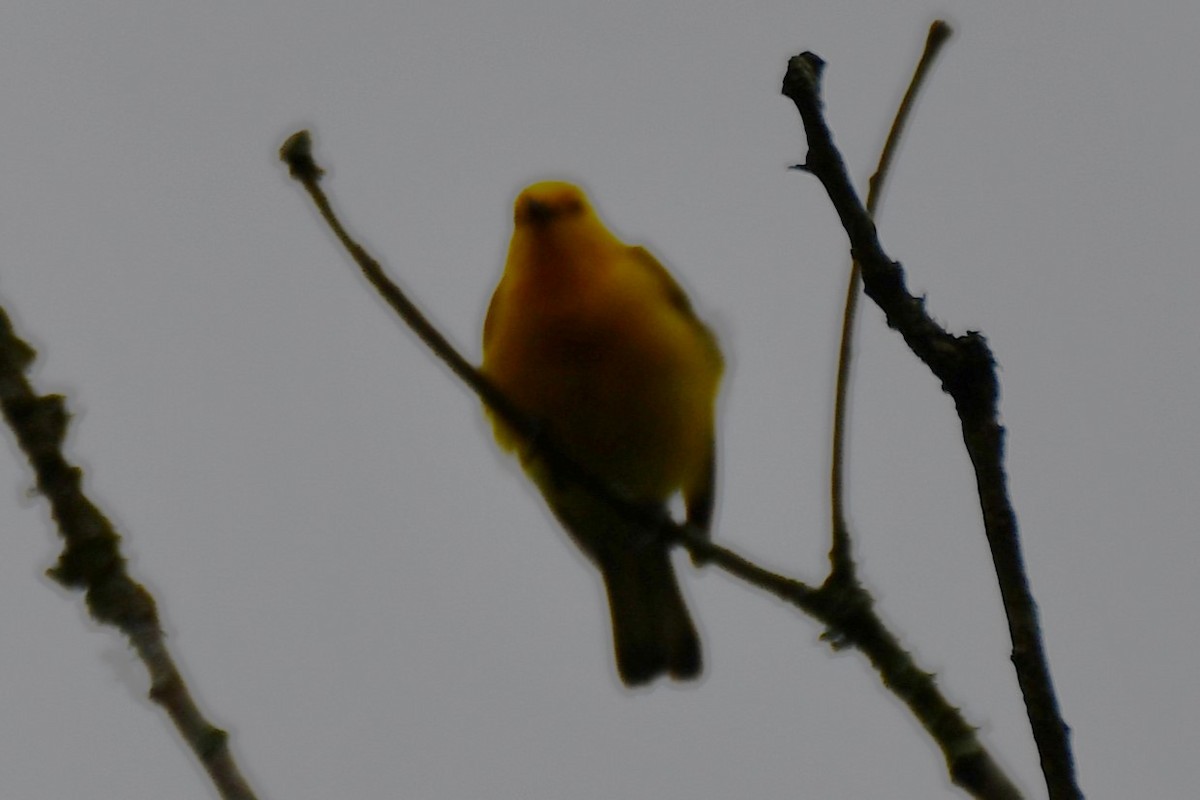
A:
(841, 558)
(843, 606)
(966, 368)
(92, 560)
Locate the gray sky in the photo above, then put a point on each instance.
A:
(364, 590)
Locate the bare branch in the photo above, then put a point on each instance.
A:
(92, 560)
(840, 556)
(966, 368)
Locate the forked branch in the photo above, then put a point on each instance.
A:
(966, 368)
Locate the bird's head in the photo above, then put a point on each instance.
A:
(554, 224)
(551, 203)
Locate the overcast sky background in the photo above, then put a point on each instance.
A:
(365, 592)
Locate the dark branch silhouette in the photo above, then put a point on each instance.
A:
(966, 368)
(92, 560)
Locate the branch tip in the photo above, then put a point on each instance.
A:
(296, 152)
(803, 76)
(939, 32)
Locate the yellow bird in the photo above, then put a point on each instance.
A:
(594, 340)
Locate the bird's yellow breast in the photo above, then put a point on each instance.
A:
(612, 369)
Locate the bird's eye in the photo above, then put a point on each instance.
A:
(573, 206)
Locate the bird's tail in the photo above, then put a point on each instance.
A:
(653, 632)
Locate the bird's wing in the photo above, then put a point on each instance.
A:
(678, 300)
(699, 495)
